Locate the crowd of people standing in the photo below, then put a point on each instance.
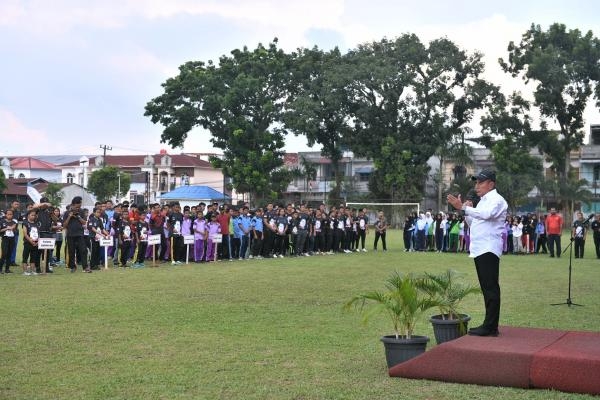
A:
(225, 232)
(218, 232)
(529, 233)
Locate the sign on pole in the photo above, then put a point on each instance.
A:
(187, 240)
(46, 243)
(106, 243)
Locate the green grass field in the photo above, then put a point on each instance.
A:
(262, 329)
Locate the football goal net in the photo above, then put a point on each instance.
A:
(394, 212)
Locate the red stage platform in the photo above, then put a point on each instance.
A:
(518, 357)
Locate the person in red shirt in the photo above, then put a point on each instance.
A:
(223, 219)
(554, 223)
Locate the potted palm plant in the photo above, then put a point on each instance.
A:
(404, 304)
(448, 292)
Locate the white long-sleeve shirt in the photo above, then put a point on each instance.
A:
(487, 224)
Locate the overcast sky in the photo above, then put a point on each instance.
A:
(75, 74)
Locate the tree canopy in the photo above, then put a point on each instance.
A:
(108, 182)
(565, 65)
(239, 100)
(395, 101)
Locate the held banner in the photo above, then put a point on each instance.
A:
(217, 238)
(46, 243)
(153, 239)
(188, 239)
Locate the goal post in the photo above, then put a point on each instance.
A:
(394, 212)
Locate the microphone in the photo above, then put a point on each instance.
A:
(589, 218)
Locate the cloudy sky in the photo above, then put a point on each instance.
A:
(75, 74)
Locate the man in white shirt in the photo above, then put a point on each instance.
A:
(487, 223)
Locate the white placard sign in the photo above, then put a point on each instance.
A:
(217, 238)
(188, 239)
(153, 239)
(46, 243)
(106, 242)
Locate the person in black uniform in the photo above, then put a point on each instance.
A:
(74, 223)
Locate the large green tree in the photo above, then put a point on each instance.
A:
(108, 182)
(54, 193)
(565, 65)
(319, 108)
(2, 181)
(411, 101)
(239, 100)
(507, 132)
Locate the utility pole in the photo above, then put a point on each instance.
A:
(104, 147)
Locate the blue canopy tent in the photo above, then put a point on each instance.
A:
(193, 194)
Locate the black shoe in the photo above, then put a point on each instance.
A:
(49, 271)
(8, 271)
(483, 331)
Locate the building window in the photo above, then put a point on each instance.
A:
(364, 177)
(596, 173)
(70, 178)
(460, 172)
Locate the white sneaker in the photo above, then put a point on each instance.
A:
(33, 273)
(173, 262)
(364, 250)
(250, 256)
(27, 273)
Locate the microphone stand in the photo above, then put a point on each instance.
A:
(569, 302)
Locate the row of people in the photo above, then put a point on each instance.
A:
(525, 234)
(275, 231)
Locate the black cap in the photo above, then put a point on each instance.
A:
(484, 175)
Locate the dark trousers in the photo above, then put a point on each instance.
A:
(125, 248)
(269, 239)
(407, 236)
(244, 243)
(76, 244)
(13, 253)
(225, 248)
(141, 254)
(541, 244)
(361, 236)
(95, 257)
(579, 245)
(553, 240)
(488, 270)
(300, 240)
(8, 244)
(31, 255)
(236, 243)
(382, 236)
(597, 244)
(178, 248)
(257, 245)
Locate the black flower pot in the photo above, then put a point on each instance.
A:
(449, 329)
(402, 349)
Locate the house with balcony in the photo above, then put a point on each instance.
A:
(151, 175)
(315, 189)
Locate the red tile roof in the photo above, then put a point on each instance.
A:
(29, 163)
(18, 186)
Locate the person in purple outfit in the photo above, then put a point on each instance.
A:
(213, 228)
(200, 234)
